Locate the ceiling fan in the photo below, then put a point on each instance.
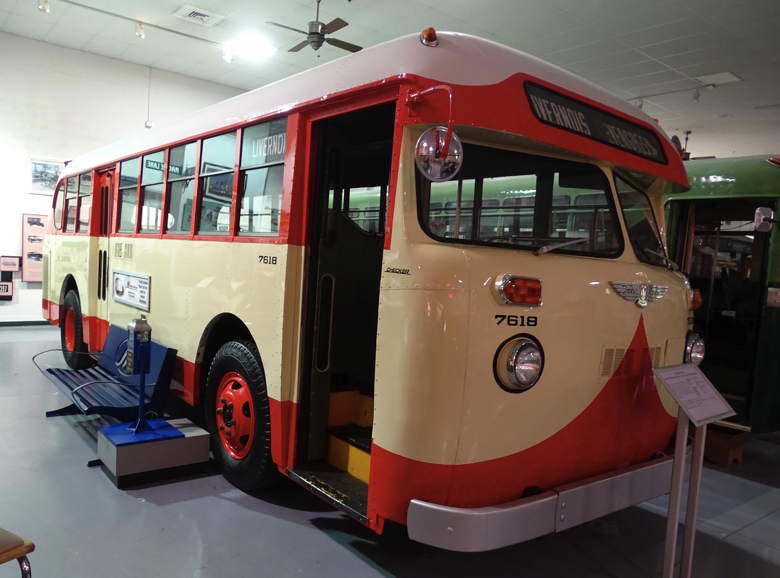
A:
(317, 34)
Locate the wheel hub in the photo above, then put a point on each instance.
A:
(235, 415)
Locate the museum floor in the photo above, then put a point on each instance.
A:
(84, 527)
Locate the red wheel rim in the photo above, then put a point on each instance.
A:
(70, 330)
(235, 413)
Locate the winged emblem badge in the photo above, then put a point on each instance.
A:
(640, 293)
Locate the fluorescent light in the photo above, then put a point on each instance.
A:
(249, 46)
(718, 78)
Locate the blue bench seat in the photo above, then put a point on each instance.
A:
(106, 389)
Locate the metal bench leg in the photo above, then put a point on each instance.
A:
(24, 564)
(67, 410)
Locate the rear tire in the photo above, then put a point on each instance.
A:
(72, 333)
(238, 416)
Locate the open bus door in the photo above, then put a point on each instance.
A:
(347, 211)
(727, 261)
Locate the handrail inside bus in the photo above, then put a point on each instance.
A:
(416, 96)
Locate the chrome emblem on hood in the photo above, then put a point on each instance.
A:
(640, 293)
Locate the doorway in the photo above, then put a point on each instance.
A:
(347, 217)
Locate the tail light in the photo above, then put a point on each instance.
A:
(696, 299)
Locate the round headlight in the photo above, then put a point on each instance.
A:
(518, 363)
(694, 348)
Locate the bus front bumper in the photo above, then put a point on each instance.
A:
(491, 527)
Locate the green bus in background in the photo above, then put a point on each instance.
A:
(711, 233)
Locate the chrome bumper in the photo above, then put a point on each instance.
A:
(491, 527)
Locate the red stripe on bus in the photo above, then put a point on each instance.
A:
(624, 425)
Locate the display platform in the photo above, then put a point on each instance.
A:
(167, 449)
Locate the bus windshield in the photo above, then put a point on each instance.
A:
(508, 198)
(641, 225)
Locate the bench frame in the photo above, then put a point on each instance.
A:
(105, 389)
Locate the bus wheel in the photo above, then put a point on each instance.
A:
(238, 416)
(72, 333)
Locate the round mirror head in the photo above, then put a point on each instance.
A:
(429, 157)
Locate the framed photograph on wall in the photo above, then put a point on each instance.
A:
(6, 290)
(33, 231)
(10, 263)
(44, 177)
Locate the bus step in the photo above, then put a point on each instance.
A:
(338, 488)
(358, 436)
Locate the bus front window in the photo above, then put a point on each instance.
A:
(641, 225)
(524, 201)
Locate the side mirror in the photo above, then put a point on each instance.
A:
(438, 154)
(764, 219)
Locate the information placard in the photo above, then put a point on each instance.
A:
(695, 394)
(131, 289)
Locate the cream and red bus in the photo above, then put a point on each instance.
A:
(470, 357)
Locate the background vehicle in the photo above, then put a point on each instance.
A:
(332, 330)
(737, 270)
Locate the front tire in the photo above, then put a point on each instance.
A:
(72, 333)
(238, 416)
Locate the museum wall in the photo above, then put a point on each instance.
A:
(57, 103)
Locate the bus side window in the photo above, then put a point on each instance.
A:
(59, 197)
(217, 163)
(151, 191)
(128, 194)
(181, 188)
(71, 203)
(262, 171)
(85, 201)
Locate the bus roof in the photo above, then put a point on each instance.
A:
(751, 176)
(459, 59)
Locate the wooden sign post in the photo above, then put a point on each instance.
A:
(700, 403)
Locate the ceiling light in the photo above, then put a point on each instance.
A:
(44, 6)
(249, 46)
(139, 30)
(718, 78)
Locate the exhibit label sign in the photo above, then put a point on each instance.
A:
(131, 289)
(695, 394)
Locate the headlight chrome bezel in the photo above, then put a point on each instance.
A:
(505, 362)
(695, 349)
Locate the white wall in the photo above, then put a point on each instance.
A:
(57, 103)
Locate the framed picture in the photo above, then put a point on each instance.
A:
(45, 175)
(10, 263)
(33, 231)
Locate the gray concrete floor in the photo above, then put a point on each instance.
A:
(85, 527)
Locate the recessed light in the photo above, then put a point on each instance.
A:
(249, 46)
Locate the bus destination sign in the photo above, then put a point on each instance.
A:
(563, 112)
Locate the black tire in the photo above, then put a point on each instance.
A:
(255, 470)
(72, 333)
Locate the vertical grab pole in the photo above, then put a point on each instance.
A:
(673, 515)
(697, 461)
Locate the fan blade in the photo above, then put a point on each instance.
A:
(288, 27)
(344, 45)
(333, 25)
(298, 46)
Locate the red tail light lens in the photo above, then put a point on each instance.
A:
(520, 290)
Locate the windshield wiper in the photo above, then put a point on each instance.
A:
(547, 248)
(667, 261)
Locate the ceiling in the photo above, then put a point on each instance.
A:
(647, 50)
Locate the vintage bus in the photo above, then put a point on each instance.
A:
(736, 269)
(469, 357)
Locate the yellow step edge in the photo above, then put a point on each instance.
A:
(348, 458)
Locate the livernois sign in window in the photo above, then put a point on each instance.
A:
(567, 113)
